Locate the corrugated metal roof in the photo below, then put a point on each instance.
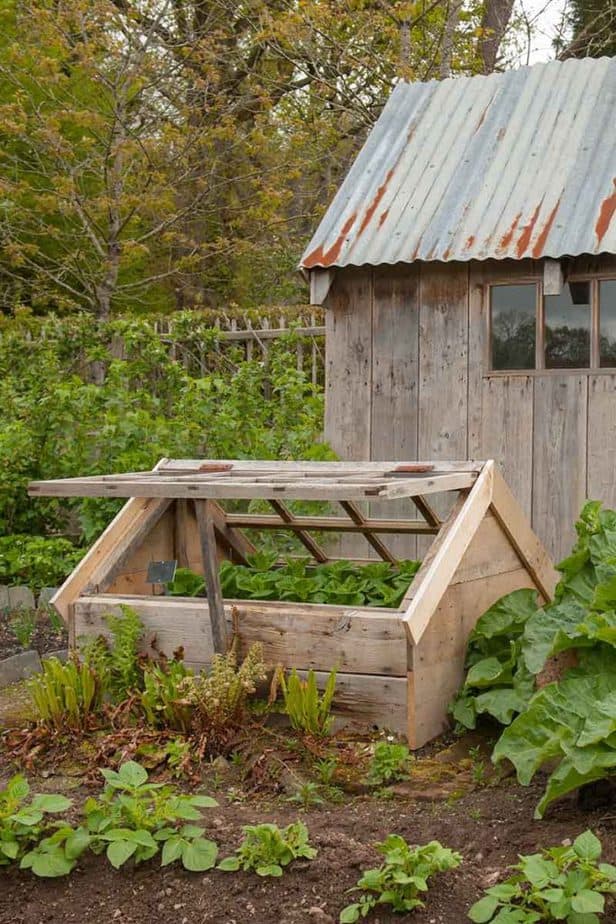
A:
(520, 164)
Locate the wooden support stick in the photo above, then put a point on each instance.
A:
(305, 538)
(205, 522)
(236, 546)
(358, 518)
(427, 511)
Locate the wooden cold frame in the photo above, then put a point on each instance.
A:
(397, 667)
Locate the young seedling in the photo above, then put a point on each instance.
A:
(558, 884)
(401, 879)
(266, 849)
(307, 795)
(390, 763)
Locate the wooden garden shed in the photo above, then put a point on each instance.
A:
(468, 268)
(397, 668)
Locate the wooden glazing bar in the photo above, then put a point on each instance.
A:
(358, 518)
(305, 538)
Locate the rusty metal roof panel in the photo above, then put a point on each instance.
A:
(513, 165)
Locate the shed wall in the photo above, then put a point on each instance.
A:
(407, 376)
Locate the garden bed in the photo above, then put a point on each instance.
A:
(45, 637)
(489, 826)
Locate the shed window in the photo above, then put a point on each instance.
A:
(513, 326)
(607, 306)
(567, 328)
(573, 330)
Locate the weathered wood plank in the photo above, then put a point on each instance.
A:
(602, 439)
(110, 543)
(395, 371)
(439, 567)
(443, 369)
(209, 550)
(507, 432)
(300, 635)
(559, 483)
(348, 364)
(527, 544)
(332, 524)
(438, 661)
(131, 576)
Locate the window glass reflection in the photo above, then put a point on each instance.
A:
(607, 339)
(513, 327)
(567, 328)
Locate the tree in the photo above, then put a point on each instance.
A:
(173, 152)
(593, 28)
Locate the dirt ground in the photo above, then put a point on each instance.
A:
(44, 637)
(489, 826)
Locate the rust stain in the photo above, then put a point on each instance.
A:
(501, 133)
(375, 202)
(527, 233)
(416, 251)
(431, 254)
(540, 242)
(383, 217)
(446, 254)
(507, 237)
(606, 213)
(470, 240)
(320, 257)
(482, 118)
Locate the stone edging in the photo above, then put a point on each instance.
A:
(24, 664)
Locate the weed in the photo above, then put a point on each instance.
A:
(267, 849)
(308, 712)
(307, 795)
(326, 769)
(399, 881)
(23, 624)
(558, 884)
(478, 766)
(389, 764)
(475, 814)
(55, 620)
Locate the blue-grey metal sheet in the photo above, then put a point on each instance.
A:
(513, 165)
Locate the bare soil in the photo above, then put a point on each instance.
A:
(45, 637)
(489, 826)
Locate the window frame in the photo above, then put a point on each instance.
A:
(595, 366)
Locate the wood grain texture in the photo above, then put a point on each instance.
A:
(560, 458)
(438, 661)
(298, 635)
(395, 372)
(507, 432)
(602, 439)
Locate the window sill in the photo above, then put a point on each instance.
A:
(536, 373)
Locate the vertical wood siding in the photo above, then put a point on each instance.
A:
(407, 363)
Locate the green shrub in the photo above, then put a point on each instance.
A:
(401, 878)
(164, 696)
(36, 560)
(267, 849)
(558, 884)
(308, 711)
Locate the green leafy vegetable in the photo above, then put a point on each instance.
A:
(401, 878)
(340, 582)
(267, 849)
(558, 884)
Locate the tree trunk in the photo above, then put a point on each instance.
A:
(496, 17)
(453, 14)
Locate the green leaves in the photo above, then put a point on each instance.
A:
(307, 710)
(560, 883)
(28, 837)
(401, 878)
(341, 582)
(390, 762)
(266, 849)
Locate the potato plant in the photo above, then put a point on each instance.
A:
(558, 884)
(267, 849)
